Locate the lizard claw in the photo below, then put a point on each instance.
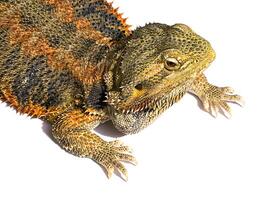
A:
(216, 100)
(111, 156)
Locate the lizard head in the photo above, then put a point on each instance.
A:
(156, 62)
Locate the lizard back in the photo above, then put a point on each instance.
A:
(51, 49)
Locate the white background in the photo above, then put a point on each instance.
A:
(186, 154)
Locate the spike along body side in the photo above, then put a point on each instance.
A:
(76, 64)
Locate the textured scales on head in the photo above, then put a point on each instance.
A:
(156, 60)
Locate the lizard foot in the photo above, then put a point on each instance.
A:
(216, 100)
(110, 156)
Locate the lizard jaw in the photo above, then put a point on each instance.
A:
(158, 102)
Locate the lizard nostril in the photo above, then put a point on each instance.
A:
(139, 86)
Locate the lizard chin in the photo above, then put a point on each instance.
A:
(132, 119)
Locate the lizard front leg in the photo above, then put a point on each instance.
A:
(213, 98)
(73, 131)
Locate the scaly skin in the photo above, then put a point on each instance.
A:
(76, 64)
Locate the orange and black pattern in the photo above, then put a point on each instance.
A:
(51, 50)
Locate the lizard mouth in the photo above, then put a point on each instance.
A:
(149, 104)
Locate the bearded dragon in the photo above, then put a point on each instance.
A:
(77, 64)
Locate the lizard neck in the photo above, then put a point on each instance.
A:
(111, 74)
(98, 80)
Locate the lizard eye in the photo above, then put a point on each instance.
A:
(139, 86)
(172, 64)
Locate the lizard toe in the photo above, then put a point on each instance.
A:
(217, 100)
(112, 156)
